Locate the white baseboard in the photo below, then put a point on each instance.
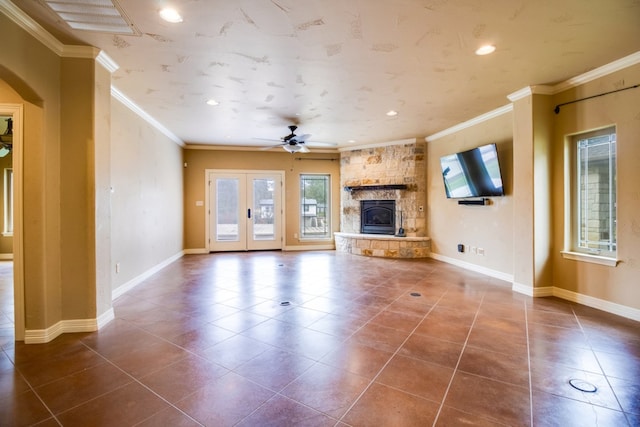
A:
(120, 290)
(106, 317)
(41, 336)
(600, 304)
(6, 257)
(473, 267)
(328, 247)
(547, 291)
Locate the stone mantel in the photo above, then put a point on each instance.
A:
(383, 245)
(352, 188)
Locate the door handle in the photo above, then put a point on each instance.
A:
(249, 213)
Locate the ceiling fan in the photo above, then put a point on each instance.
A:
(294, 143)
(6, 139)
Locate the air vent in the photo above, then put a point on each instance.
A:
(102, 16)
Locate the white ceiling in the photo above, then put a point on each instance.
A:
(336, 67)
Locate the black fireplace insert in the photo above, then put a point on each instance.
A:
(378, 217)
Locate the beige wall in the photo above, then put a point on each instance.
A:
(488, 227)
(619, 284)
(75, 228)
(31, 76)
(76, 195)
(200, 160)
(147, 199)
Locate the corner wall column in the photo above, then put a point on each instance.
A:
(532, 221)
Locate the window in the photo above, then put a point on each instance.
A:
(315, 217)
(8, 202)
(594, 202)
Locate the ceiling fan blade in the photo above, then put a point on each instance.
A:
(268, 139)
(303, 138)
(269, 147)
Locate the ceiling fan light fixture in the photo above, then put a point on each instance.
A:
(292, 148)
(170, 15)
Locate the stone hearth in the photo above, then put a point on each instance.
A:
(384, 246)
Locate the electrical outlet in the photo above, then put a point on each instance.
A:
(295, 235)
(481, 251)
(473, 250)
(117, 267)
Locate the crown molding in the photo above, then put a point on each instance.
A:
(587, 77)
(34, 29)
(612, 67)
(107, 62)
(79, 51)
(381, 144)
(25, 22)
(217, 147)
(531, 90)
(596, 73)
(469, 123)
(144, 115)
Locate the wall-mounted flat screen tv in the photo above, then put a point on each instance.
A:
(472, 173)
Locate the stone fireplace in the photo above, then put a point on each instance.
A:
(394, 172)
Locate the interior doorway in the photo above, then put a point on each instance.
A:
(7, 312)
(12, 274)
(244, 210)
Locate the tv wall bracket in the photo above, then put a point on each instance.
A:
(479, 202)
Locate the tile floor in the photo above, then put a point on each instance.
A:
(209, 341)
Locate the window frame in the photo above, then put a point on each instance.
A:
(573, 210)
(305, 208)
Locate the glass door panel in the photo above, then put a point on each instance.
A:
(227, 210)
(263, 220)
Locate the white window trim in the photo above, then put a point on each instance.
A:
(569, 191)
(593, 259)
(329, 237)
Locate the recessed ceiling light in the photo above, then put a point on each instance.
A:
(351, 141)
(212, 102)
(485, 50)
(392, 113)
(170, 15)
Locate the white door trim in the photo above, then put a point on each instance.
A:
(208, 225)
(16, 110)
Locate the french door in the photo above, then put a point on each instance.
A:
(245, 210)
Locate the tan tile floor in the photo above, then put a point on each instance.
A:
(207, 341)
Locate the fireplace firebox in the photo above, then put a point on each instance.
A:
(378, 217)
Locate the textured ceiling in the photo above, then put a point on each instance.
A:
(336, 67)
